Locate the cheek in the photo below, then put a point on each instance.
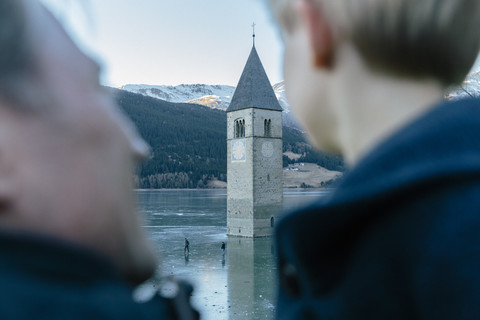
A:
(303, 93)
(294, 69)
(308, 92)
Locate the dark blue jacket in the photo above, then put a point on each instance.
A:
(43, 278)
(400, 237)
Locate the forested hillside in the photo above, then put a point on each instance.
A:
(188, 142)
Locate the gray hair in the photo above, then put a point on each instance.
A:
(435, 39)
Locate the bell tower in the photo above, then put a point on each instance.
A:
(254, 154)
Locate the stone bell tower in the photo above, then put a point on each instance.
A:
(254, 154)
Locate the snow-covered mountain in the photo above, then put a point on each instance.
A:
(220, 96)
(213, 96)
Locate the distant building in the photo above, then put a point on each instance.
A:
(254, 151)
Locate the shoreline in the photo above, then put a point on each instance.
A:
(194, 189)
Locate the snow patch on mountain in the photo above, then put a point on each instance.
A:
(212, 101)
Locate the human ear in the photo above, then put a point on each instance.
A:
(5, 201)
(6, 179)
(319, 32)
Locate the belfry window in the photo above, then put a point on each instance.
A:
(267, 127)
(239, 128)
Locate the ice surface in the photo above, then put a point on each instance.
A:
(239, 285)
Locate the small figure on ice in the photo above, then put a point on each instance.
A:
(186, 250)
(223, 248)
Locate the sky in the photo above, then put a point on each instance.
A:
(171, 42)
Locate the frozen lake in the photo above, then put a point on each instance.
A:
(239, 285)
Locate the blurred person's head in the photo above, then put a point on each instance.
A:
(66, 151)
(344, 54)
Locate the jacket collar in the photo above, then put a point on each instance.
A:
(52, 258)
(443, 143)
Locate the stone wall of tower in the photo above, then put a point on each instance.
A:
(247, 115)
(239, 178)
(261, 114)
(267, 172)
(254, 193)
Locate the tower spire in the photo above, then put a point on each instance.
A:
(253, 34)
(254, 89)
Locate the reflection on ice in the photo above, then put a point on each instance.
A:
(250, 278)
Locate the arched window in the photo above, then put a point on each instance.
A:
(272, 222)
(239, 129)
(267, 127)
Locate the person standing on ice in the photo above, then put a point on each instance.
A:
(187, 247)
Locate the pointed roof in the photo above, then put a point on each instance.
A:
(254, 89)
